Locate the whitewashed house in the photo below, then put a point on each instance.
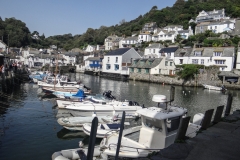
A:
(238, 59)
(168, 52)
(70, 58)
(152, 66)
(112, 42)
(117, 61)
(219, 27)
(3, 46)
(186, 33)
(215, 15)
(223, 57)
(182, 56)
(144, 37)
(91, 48)
(152, 51)
(215, 27)
(128, 42)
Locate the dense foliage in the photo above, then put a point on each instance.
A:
(188, 71)
(179, 14)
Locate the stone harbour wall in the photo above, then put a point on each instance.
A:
(209, 77)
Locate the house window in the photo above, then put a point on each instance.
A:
(135, 62)
(131, 69)
(198, 53)
(215, 27)
(147, 70)
(116, 59)
(108, 66)
(108, 59)
(166, 63)
(139, 70)
(219, 61)
(217, 54)
(153, 50)
(171, 63)
(116, 67)
(181, 61)
(202, 61)
(159, 71)
(194, 61)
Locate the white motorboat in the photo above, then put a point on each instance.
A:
(105, 98)
(76, 123)
(216, 88)
(57, 84)
(158, 130)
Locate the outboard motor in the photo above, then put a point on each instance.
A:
(109, 95)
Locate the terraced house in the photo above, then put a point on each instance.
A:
(223, 57)
(153, 66)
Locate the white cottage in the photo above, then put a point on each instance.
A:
(223, 57)
(153, 50)
(117, 61)
(153, 66)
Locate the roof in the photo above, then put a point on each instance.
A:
(119, 51)
(183, 52)
(208, 51)
(146, 63)
(131, 38)
(93, 59)
(228, 74)
(71, 54)
(183, 31)
(168, 50)
(3, 42)
(155, 45)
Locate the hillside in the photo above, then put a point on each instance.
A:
(180, 13)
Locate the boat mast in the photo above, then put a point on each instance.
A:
(56, 69)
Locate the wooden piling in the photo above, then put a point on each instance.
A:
(120, 135)
(207, 119)
(218, 114)
(183, 128)
(92, 138)
(229, 105)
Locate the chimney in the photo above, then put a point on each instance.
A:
(97, 47)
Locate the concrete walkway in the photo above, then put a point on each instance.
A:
(219, 142)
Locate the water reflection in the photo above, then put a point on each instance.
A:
(67, 134)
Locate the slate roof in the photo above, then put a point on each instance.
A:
(208, 51)
(93, 59)
(131, 38)
(146, 63)
(116, 52)
(71, 54)
(168, 50)
(227, 74)
(183, 31)
(183, 52)
(155, 45)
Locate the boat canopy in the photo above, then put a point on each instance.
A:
(160, 114)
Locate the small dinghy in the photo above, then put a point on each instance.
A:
(103, 130)
(76, 123)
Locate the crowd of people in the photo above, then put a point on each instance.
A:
(12, 66)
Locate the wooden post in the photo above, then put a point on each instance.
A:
(120, 135)
(183, 128)
(207, 119)
(229, 105)
(218, 114)
(92, 138)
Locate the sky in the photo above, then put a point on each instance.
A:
(58, 17)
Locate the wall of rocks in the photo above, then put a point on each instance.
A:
(209, 77)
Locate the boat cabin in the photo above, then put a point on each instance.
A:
(159, 124)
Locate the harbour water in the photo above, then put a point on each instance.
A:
(29, 128)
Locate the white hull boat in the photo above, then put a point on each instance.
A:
(76, 123)
(216, 88)
(57, 84)
(158, 130)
